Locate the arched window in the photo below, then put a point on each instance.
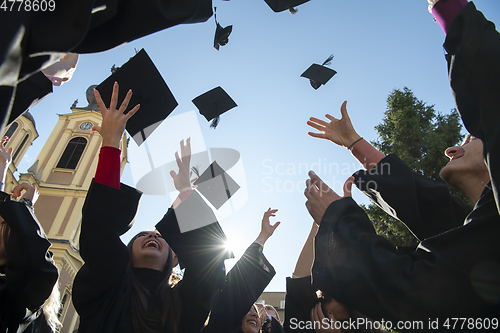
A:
(63, 303)
(72, 153)
(11, 129)
(20, 148)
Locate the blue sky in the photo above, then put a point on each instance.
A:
(378, 46)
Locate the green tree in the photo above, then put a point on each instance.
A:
(419, 136)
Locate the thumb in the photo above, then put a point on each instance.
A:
(9, 151)
(348, 186)
(276, 225)
(97, 129)
(343, 110)
(173, 174)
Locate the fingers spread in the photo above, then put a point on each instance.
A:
(318, 121)
(316, 126)
(114, 97)
(100, 102)
(133, 111)
(125, 102)
(331, 118)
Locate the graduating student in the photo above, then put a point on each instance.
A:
(233, 309)
(28, 274)
(425, 206)
(460, 266)
(132, 288)
(308, 310)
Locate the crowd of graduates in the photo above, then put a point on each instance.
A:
(347, 278)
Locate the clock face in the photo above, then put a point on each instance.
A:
(86, 125)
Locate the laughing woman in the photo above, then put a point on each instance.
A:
(132, 288)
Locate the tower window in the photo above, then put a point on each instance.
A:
(26, 137)
(11, 129)
(72, 153)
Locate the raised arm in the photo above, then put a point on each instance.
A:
(342, 133)
(300, 293)
(30, 272)
(245, 282)
(111, 130)
(306, 257)
(473, 46)
(5, 159)
(110, 208)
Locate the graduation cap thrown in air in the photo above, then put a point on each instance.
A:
(281, 5)
(319, 74)
(148, 89)
(213, 103)
(216, 185)
(221, 34)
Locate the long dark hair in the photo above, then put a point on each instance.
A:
(166, 300)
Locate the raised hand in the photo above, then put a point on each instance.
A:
(320, 196)
(5, 154)
(113, 120)
(30, 193)
(267, 229)
(339, 131)
(181, 179)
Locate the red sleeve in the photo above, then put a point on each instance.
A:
(445, 11)
(108, 167)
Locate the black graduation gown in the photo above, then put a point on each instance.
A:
(300, 299)
(369, 274)
(455, 273)
(244, 283)
(473, 47)
(30, 273)
(102, 288)
(32, 39)
(427, 207)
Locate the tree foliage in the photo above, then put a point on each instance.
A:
(419, 136)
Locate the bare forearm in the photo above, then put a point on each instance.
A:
(306, 256)
(366, 154)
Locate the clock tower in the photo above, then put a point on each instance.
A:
(62, 174)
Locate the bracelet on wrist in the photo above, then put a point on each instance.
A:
(352, 144)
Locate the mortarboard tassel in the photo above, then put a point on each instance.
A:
(328, 61)
(215, 122)
(196, 170)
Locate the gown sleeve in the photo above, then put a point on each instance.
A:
(30, 273)
(201, 252)
(106, 214)
(369, 274)
(473, 46)
(300, 299)
(244, 283)
(427, 207)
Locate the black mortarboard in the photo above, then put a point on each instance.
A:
(221, 34)
(319, 74)
(148, 88)
(216, 185)
(213, 103)
(281, 5)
